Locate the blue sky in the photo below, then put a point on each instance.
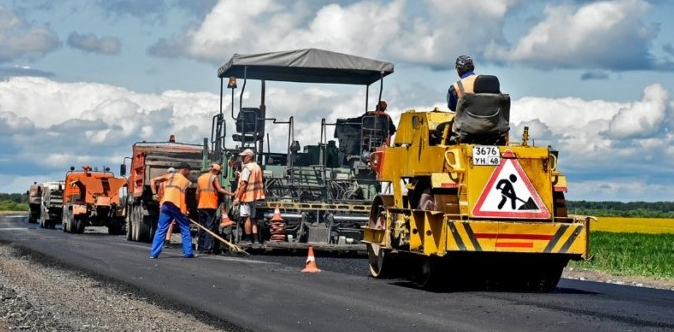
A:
(80, 81)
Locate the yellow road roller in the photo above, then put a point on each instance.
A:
(465, 203)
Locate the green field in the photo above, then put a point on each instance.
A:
(7, 205)
(631, 254)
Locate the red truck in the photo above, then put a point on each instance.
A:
(149, 160)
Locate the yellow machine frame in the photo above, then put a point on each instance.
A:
(422, 159)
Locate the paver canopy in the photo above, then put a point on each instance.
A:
(308, 66)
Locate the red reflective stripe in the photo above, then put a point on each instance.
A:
(513, 236)
(515, 244)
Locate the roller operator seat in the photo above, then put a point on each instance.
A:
(483, 117)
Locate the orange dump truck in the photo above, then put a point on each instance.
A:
(91, 198)
(150, 160)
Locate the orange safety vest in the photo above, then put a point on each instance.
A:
(174, 191)
(208, 196)
(468, 84)
(255, 186)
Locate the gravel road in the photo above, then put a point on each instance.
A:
(37, 295)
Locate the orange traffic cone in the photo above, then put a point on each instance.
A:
(225, 221)
(311, 263)
(277, 214)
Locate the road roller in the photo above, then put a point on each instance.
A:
(464, 204)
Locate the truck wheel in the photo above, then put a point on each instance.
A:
(135, 222)
(143, 231)
(143, 228)
(116, 227)
(72, 224)
(129, 229)
(78, 225)
(65, 220)
(42, 222)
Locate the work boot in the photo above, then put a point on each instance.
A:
(255, 243)
(246, 240)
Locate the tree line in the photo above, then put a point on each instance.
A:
(622, 209)
(19, 202)
(13, 202)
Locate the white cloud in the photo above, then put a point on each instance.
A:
(21, 39)
(361, 28)
(641, 119)
(597, 35)
(447, 29)
(92, 43)
(571, 35)
(598, 135)
(367, 28)
(47, 126)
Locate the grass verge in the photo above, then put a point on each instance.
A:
(13, 212)
(631, 254)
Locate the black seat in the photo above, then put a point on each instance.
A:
(483, 116)
(249, 125)
(487, 84)
(375, 130)
(249, 120)
(247, 138)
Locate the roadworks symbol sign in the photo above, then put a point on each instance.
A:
(510, 194)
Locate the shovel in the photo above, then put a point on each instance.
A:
(528, 204)
(231, 245)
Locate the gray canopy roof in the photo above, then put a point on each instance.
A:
(308, 66)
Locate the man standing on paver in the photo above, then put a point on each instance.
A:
(249, 190)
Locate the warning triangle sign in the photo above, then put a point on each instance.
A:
(510, 194)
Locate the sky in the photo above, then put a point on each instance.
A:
(81, 81)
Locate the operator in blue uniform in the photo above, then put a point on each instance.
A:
(464, 68)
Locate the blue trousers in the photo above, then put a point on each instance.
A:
(205, 240)
(168, 213)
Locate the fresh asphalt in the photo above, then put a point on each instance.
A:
(270, 294)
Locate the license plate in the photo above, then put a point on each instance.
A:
(486, 155)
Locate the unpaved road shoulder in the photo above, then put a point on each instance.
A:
(38, 297)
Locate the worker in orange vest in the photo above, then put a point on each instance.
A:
(169, 233)
(208, 187)
(249, 190)
(464, 68)
(173, 207)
